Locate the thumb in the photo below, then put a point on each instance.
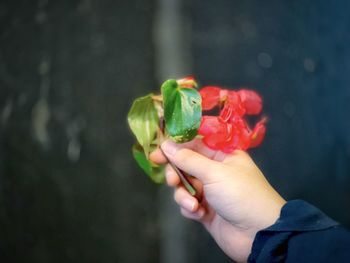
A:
(190, 161)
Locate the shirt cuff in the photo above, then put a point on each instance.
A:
(296, 216)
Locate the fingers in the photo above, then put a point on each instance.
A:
(185, 200)
(197, 215)
(171, 177)
(190, 208)
(191, 162)
(197, 145)
(158, 157)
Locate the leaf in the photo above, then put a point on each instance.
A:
(155, 172)
(143, 121)
(182, 111)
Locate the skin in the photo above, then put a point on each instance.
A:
(237, 200)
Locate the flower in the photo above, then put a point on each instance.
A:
(251, 101)
(230, 130)
(258, 134)
(210, 97)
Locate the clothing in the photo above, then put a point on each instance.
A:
(302, 234)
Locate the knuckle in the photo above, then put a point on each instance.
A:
(182, 155)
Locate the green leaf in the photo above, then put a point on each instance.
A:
(144, 121)
(155, 172)
(182, 111)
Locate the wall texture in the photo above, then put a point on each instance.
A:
(69, 191)
(297, 55)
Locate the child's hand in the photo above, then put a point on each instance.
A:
(237, 199)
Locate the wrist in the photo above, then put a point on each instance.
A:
(268, 215)
(272, 213)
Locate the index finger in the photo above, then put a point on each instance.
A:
(158, 157)
(196, 145)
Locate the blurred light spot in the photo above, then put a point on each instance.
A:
(40, 17)
(265, 60)
(289, 109)
(309, 65)
(44, 67)
(6, 112)
(73, 130)
(73, 151)
(40, 120)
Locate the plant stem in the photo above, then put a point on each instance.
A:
(184, 180)
(183, 177)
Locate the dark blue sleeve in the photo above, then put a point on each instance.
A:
(302, 234)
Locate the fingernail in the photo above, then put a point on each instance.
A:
(188, 204)
(169, 147)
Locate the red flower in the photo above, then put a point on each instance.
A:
(233, 98)
(245, 101)
(229, 130)
(258, 134)
(210, 97)
(251, 101)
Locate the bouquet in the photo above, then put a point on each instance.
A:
(218, 116)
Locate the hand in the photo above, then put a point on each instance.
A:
(237, 199)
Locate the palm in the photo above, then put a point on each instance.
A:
(223, 221)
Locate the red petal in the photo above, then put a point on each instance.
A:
(258, 134)
(240, 138)
(210, 97)
(251, 101)
(236, 136)
(234, 98)
(216, 133)
(230, 131)
(227, 112)
(209, 125)
(244, 134)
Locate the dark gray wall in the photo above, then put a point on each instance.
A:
(297, 55)
(69, 190)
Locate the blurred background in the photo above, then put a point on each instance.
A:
(69, 71)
